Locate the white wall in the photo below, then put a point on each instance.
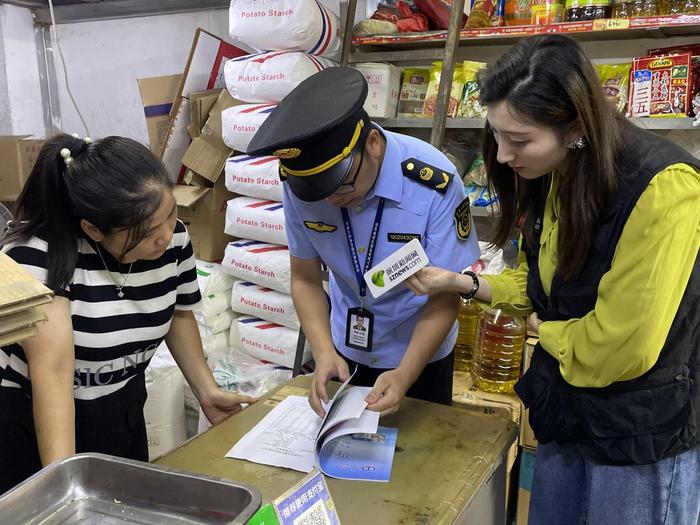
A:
(21, 111)
(105, 58)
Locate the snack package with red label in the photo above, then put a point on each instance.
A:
(694, 50)
(660, 86)
(438, 12)
(405, 15)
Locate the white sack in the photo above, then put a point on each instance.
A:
(265, 264)
(269, 77)
(256, 219)
(254, 177)
(264, 303)
(267, 341)
(164, 410)
(240, 123)
(294, 25)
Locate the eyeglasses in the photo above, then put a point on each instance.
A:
(349, 187)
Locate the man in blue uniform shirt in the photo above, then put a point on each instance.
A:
(353, 194)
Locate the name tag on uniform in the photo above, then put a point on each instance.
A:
(396, 268)
(358, 329)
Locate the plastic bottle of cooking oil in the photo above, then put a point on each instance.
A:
(498, 351)
(468, 318)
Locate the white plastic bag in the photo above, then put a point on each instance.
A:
(212, 305)
(265, 264)
(215, 345)
(222, 322)
(239, 124)
(294, 25)
(212, 279)
(256, 219)
(267, 341)
(254, 177)
(269, 77)
(264, 303)
(490, 262)
(164, 411)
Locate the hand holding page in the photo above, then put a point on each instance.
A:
(396, 268)
(345, 444)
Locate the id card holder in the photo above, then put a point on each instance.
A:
(359, 327)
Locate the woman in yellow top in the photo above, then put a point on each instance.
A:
(609, 275)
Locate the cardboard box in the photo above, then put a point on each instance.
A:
(157, 96)
(207, 153)
(465, 392)
(201, 103)
(18, 154)
(384, 82)
(527, 436)
(204, 70)
(202, 207)
(527, 469)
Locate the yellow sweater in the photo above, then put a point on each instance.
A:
(621, 338)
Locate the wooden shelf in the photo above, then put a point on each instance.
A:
(478, 123)
(428, 46)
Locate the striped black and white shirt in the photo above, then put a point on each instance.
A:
(114, 338)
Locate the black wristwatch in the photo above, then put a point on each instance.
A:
(475, 288)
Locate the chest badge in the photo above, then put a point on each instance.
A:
(463, 219)
(320, 227)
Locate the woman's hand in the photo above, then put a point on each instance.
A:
(431, 280)
(220, 404)
(533, 323)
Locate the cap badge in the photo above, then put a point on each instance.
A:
(287, 153)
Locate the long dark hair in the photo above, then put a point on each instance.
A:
(547, 80)
(114, 183)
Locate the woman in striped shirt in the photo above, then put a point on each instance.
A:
(97, 224)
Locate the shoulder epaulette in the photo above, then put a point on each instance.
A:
(426, 174)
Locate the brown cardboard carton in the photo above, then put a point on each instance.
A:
(157, 95)
(18, 154)
(201, 104)
(203, 210)
(207, 153)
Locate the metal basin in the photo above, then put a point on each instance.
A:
(106, 490)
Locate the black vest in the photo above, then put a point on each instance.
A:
(630, 422)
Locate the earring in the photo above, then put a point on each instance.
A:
(579, 143)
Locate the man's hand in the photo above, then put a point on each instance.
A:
(327, 367)
(388, 391)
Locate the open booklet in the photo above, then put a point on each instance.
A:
(347, 443)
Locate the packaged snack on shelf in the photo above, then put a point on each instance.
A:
(470, 106)
(517, 12)
(481, 13)
(694, 50)
(269, 77)
(546, 12)
(615, 80)
(414, 87)
(290, 25)
(499, 15)
(383, 81)
(437, 11)
(479, 195)
(433, 86)
(661, 86)
(476, 174)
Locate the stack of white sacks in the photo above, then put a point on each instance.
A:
(294, 37)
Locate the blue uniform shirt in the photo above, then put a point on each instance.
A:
(411, 208)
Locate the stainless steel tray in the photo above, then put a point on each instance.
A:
(106, 490)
